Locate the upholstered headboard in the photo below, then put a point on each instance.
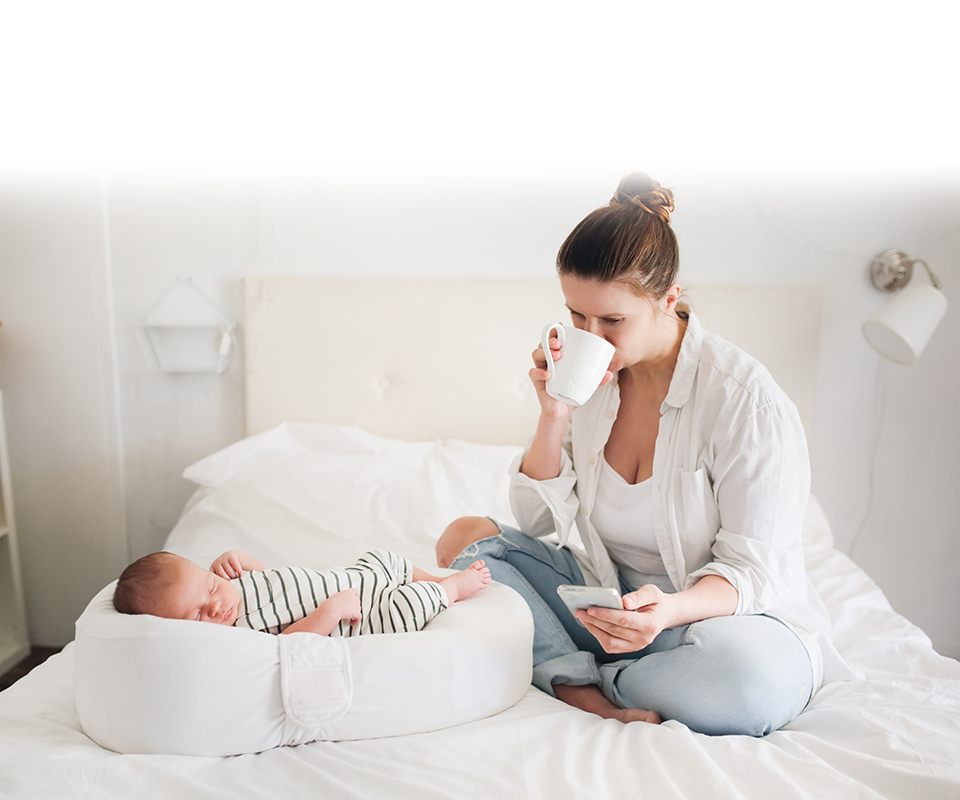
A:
(422, 360)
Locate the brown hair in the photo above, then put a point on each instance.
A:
(141, 582)
(629, 240)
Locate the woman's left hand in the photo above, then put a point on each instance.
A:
(646, 613)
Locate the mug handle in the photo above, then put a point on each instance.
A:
(545, 343)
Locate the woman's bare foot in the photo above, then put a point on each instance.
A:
(467, 582)
(459, 534)
(590, 698)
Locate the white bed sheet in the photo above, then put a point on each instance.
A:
(320, 495)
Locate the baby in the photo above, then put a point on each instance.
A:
(381, 593)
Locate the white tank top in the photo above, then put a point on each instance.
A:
(621, 517)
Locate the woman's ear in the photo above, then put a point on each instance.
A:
(669, 300)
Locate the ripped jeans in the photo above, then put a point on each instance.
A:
(746, 675)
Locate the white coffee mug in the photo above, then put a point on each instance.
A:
(576, 376)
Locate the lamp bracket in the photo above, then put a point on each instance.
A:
(892, 270)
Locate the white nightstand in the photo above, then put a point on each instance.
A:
(14, 644)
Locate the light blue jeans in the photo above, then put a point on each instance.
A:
(726, 675)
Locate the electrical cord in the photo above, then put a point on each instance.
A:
(879, 409)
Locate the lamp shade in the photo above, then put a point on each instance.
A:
(902, 328)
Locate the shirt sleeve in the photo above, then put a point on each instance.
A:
(761, 482)
(545, 507)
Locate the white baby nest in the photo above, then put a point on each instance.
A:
(151, 685)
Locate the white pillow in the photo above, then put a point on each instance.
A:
(319, 496)
(151, 685)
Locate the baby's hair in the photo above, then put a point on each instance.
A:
(628, 241)
(140, 583)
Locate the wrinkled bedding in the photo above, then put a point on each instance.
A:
(320, 495)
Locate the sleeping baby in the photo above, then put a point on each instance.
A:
(381, 593)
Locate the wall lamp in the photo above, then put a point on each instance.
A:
(185, 331)
(901, 329)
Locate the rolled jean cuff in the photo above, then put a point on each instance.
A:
(608, 677)
(572, 669)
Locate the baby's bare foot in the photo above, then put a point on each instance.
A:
(467, 582)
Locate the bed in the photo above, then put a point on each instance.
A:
(377, 412)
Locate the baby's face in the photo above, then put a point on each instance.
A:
(196, 594)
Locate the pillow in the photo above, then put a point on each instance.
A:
(151, 685)
(320, 495)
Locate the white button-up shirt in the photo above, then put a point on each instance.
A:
(731, 482)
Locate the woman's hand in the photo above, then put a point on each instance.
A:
(543, 460)
(540, 374)
(550, 407)
(647, 612)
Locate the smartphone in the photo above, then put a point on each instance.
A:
(585, 596)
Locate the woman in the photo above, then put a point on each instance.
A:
(687, 477)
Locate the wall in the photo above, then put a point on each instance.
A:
(434, 139)
(98, 441)
(58, 374)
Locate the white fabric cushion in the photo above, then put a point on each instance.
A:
(151, 685)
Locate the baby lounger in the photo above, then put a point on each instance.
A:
(151, 685)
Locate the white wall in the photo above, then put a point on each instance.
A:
(79, 270)
(58, 376)
(430, 139)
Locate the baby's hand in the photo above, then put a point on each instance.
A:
(346, 604)
(232, 564)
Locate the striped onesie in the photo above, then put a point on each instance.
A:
(390, 600)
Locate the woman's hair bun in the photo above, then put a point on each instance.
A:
(640, 190)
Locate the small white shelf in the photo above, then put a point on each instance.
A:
(14, 640)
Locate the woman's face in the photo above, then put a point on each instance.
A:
(635, 326)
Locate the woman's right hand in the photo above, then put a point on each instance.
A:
(550, 408)
(543, 459)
